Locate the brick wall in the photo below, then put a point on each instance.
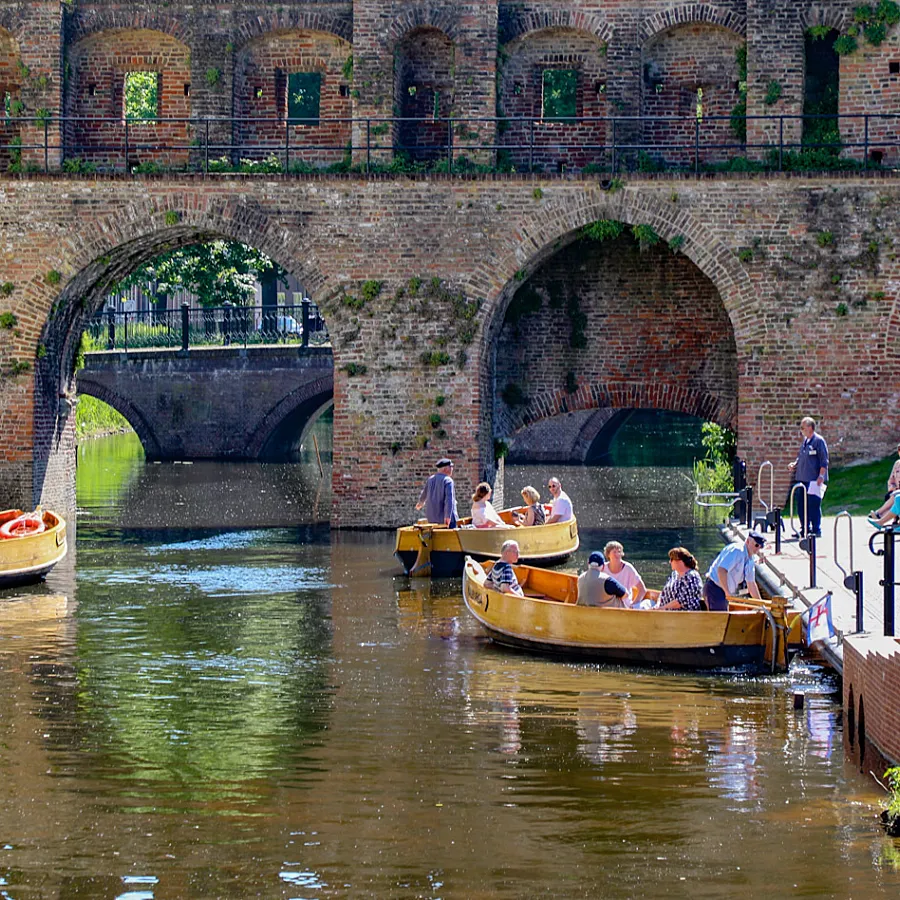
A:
(652, 329)
(872, 693)
(804, 268)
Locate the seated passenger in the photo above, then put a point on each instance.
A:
(886, 514)
(624, 572)
(597, 589)
(502, 577)
(560, 505)
(534, 511)
(483, 513)
(684, 588)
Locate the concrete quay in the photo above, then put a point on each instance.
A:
(867, 659)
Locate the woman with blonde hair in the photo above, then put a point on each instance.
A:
(534, 511)
(684, 589)
(624, 572)
(483, 513)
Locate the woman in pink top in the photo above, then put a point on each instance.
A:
(624, 572)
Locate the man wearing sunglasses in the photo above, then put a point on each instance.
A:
(560, 505)
(733, 565)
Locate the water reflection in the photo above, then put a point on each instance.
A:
(233, 711)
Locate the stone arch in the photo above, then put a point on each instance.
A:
(86, 385)
(148, 18)
(312, 394)
(293, 19)
(821, 14)
(422, 16)
(691, 13)
(520, 23)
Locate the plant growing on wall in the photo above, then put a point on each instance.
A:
(870, 22)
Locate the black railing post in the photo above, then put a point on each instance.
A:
(812, 559)
(127, 148)
(287, 144)
(858, 591)
(368, 144)
(781, 143)
(304, 307)
(226, 323)
(696, 146)
(615, 153)
(888, 581)
(110, 329)
(206, 151)
(866, 141)
(125, 329)
(531, 148)
(749, 513)
(185, 326)
(46, 145)
(778, 529)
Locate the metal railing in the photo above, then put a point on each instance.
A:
(219, 326)
(596, 144)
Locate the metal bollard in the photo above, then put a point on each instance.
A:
(888, 582)
(778, 527)
(185, 326)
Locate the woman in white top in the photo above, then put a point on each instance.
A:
(483, 513)
(624, 572)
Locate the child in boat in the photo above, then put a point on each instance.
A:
(483, 513)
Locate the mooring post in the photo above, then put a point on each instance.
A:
(778, 530)
(185, 326)
(888, 582)
(304, 306)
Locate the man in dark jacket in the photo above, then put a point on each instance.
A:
(439, 496)
(811, 469)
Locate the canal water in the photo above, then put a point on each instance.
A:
(216, 698)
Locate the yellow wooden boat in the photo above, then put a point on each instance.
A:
(28, 559)
(751, 635)
(425, 549)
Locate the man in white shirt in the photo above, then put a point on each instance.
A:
(560, 505)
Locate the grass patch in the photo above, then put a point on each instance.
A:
(857, 489)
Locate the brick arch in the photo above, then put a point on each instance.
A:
(137, 421)
(628, 395)
(293, 19)
(820, 14)
(539, 235)
(150, 18)
(541, 18)
(309, 393)
(423, 16)
(691, 13)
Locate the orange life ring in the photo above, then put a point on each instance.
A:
(24, 526)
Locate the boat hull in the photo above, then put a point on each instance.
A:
(551, 623)
(26, 560)
(440, 552)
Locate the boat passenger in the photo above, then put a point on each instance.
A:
(684, 589)
(502, 576)
(483, 513)
(438, 495)
(624, 572)
(560, 505)
(597, 589)
(733, 565)
(534, 511)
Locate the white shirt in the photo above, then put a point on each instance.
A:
(484, 512)
(628, 578)
(561, 506)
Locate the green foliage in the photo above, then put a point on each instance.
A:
(513, 395)
(41, 351)
(676, 243)
(875, 33)
(845, 44)
(538, 194)
(215, 272)
(825, 238)
(413, 286)
(571, 382)
(841, 309)
(435, 420)
(213, 76)
(603, 230)
(435, 358)
(773, 93)
(352, 302)
(560, 93)
(440, 400)
(43, 116)
(615, 185)
(818, 32)
(19, 367)
(53, 277)
(525, 302)
(8, 320)
(501, 449)
(719, 442)
(354, 369)
(347, 69)
(645, 236)
(76, 166)
(141, 96)
(371, 289)
(713, 476)
(172, 218)
(93, 418)
(745, 255)
(6, 288)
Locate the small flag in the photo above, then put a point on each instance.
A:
(817, 621)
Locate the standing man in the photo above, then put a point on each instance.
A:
(811, 469)
(560, 505)
(732, 566)
(439, 495)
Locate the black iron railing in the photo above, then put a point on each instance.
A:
(219, 326)
(602, 144)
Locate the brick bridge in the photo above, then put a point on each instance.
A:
(461, 310)
(219, 403)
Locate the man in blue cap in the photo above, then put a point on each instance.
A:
(597, 589)
(732, 566)
(439, 495)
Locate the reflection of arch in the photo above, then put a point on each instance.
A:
(309, 399)
(520, 23)
(293, 19)
(691, 13)
(135, 419)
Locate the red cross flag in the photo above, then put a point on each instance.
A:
(817, 621)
